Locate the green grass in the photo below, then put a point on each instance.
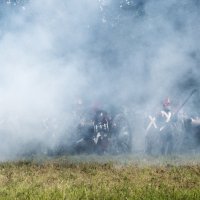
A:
(101, 177)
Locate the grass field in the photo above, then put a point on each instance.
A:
(102, 177)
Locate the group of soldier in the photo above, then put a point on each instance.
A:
(166, 132)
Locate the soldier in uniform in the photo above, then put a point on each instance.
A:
(165, 126)
(158, 137)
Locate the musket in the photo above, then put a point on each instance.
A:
(177, 111)
(186, 100)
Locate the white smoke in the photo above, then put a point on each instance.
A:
(122, 52)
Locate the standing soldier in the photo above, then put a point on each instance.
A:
(159, 131)
(165, 128)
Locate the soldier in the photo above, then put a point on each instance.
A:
(165, 126)
(158, 137)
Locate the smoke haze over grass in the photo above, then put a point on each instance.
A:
(130, 53)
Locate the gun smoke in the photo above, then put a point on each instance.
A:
(129, 54)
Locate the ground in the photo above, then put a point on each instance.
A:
(101, 177)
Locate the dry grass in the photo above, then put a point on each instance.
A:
(91, 177)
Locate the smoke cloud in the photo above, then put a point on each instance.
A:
(124, 53)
